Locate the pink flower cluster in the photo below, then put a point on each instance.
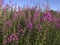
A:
(11, 38)
(47, 16)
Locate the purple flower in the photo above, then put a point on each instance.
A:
(8, 23)
(20, 31)
(12, 37)
(56, 21)
(58, 25)
(39, 27)
(36, 14)
(29, 25)
(9, 39)
(15, 16)
(47, 16)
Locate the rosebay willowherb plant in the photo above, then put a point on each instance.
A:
(29, 26)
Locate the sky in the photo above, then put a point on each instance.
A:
(54, 4)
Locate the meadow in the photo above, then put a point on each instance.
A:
(29, 26)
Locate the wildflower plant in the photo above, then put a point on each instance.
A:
(29, 26)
